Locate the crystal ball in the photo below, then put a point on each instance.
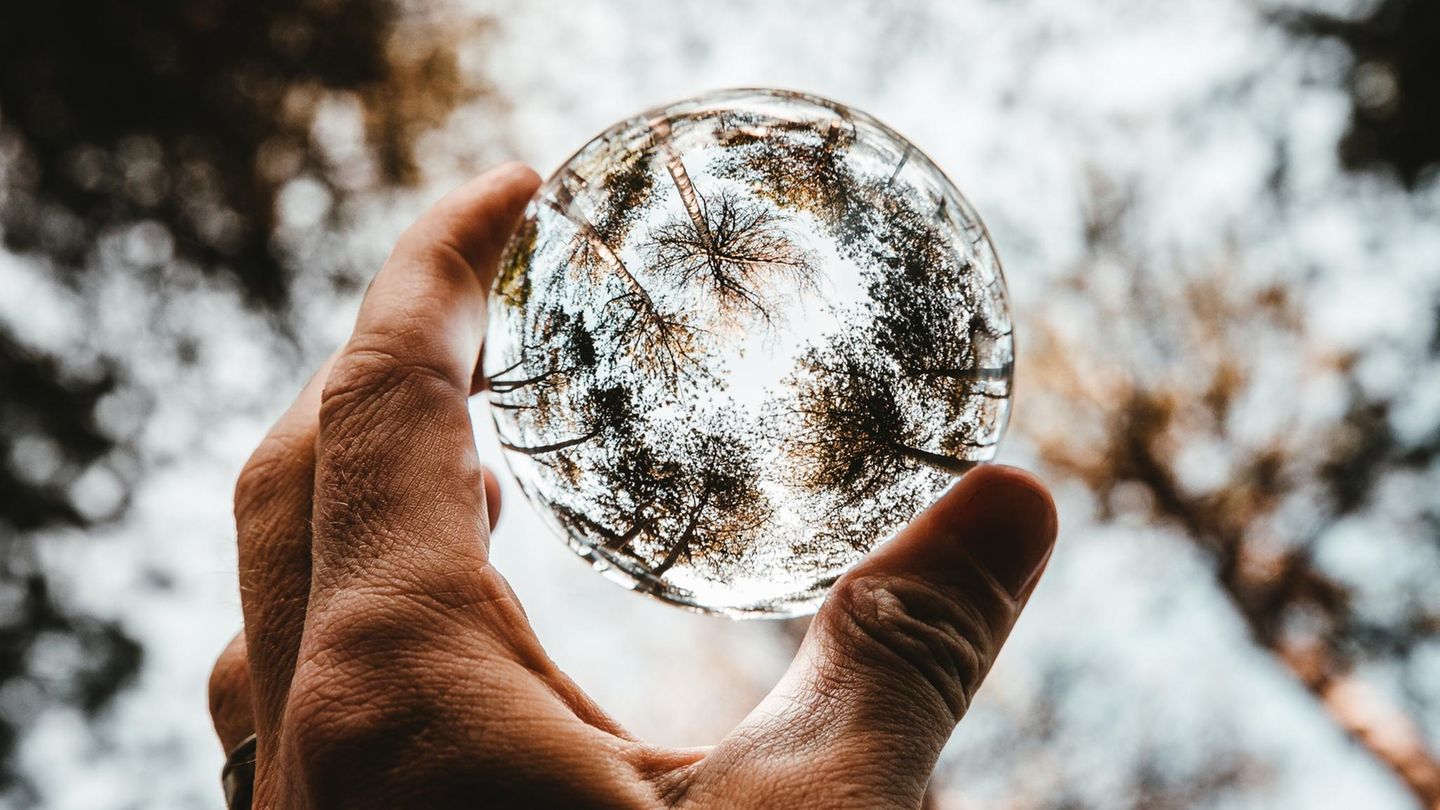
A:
(739, 340)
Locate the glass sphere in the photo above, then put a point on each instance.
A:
(739, 340)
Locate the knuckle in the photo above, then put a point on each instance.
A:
(940, 636)
(330, 728)
(357, 627)
(398, 625)
(446, 262)
(401, 370)
(265, 473)
(329, 712)
(372, 687)
(327, 708)
(229, 681)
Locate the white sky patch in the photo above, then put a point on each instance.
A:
(1019, 103)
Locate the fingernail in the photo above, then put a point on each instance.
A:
(1011, 533)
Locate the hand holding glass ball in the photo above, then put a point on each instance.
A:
(734, 345)
(739, 341)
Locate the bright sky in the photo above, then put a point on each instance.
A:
(1020, 103)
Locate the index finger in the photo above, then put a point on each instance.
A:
(399, 491)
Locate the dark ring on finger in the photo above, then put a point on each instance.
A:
(238, 775)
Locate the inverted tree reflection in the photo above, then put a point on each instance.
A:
(664, 252)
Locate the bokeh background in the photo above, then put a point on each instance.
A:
(1221, 227)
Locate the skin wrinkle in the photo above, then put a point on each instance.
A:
(274, 558)
(386, 414)
(417, 397)
(392, 704)
(877, 623)
(425, 584)
(502, 726)
(337, 754)
(802, 755)
(965, 642)
(363, 504)
(776, 780)
(448, 258)
(273, 465)
(227, 691)
(261, 574)
(523, 645)
(893, 731)
(356, 621)
(403, 671)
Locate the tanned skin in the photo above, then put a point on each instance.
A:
(385, 663)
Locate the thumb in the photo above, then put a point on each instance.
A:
(896, 653)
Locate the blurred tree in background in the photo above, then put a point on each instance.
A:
(160, 140)
(1394, 83)
(1161, 395)
(1164, 398)
(171, 129)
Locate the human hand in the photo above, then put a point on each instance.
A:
(386, 664)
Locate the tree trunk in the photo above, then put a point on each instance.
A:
(507, 386)
(1369, 719)
(613, 540)
(986, 374)
(905, 158)
(689, 197)
(683, 544)
(549, 448)
(1366, 716)
(564, 204)
(936, 461)
(621, 542)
